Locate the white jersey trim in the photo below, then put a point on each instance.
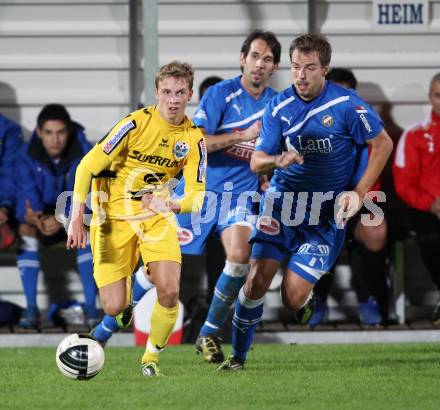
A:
(399, 159)
(282, 104)
(316, 111)
(242, 122)
(316, 273)
(233, 95)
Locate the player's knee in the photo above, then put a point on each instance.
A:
(112, 307)
(293, 298)
(237, 270)
(375, 245)
(256, 285)
(238, 255)
(374, 238)
(377, 239)
(168, 296)
(27, 230)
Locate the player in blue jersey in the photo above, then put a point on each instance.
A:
(310, 135)
(230, 113)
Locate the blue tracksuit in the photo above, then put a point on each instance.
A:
(10, 143)
(39, 180)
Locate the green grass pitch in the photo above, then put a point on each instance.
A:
(379, 376)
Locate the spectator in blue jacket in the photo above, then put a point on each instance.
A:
(10, 142)
(45, 168)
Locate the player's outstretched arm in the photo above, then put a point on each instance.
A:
(350, 202)
(77, 234)
(381, 149)
(262, 163)
(218, 142)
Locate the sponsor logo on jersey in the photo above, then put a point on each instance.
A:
(201, 115)
(164, 143)
(153, 159)
(181, 149)
(120, 133)
(201, 170)
(288, 120)
(242, 151)
(308, 145)
(314, 249)
(327, 120)
(365, 122)
(268, 225)
(185, 236)
(237, 108)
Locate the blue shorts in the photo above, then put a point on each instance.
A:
(312, 249)
(219, 211)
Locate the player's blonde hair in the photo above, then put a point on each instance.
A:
(178, 70)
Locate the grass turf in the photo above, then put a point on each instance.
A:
(388, 376)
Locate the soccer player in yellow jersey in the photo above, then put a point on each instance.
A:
(133, 213)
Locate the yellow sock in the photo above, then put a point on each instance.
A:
(162, 322)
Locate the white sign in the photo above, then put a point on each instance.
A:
(401, 15)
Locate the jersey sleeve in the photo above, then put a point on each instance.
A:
(101, 156)
(210, 110)
(362, 121)
(116, 139)
(194, 174)
(26, 187)
(270, 133)
(12, 141)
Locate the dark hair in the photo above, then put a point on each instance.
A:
(342, 75)
(53, 112)
(176, 69)
(309, 43)
(268, 37)
(206, 83)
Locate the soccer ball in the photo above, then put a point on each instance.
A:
(80, 357)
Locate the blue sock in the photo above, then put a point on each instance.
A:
(247, 315)
(84, 263)
(104, 330)
(226, 290)
(141, 285)
(28, 263)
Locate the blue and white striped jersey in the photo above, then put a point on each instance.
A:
(227, 107)
(328, 131)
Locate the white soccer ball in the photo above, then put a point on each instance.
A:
(80, 357)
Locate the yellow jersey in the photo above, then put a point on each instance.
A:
(143, 153)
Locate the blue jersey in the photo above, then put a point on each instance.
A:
(227, 107)
(328, 131)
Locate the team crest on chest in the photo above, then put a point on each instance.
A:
(327, 120)
(181, 149)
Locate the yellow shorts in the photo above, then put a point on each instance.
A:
(117, 244)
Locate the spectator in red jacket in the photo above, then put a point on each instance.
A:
(416, 171)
